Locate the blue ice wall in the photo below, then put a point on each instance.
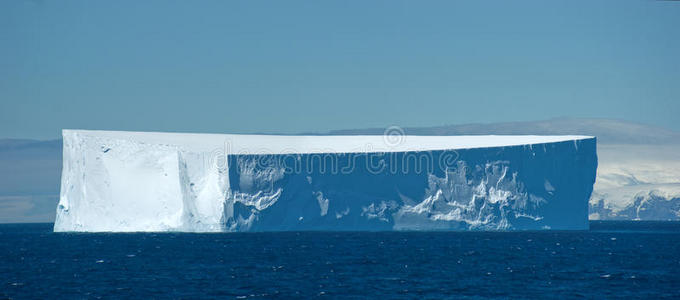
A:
(540, 186)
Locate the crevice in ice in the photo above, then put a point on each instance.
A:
(323, 202)
(481, 197)
(381, 211)
(256, 192)
(340, 214)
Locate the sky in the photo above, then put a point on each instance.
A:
(313, 66)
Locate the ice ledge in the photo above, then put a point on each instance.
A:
(305, 144)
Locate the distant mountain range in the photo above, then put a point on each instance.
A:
(606, 130)
(638, 173)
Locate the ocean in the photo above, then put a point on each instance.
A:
(612, 260)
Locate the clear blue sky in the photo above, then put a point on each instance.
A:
(294, 66)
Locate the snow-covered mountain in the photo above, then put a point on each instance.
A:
(637, 182)
(607, 131)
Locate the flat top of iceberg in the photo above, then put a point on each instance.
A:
(284, 144)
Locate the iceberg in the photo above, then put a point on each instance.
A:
(114, 181)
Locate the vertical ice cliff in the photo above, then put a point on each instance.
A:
(131, 181)
(113, 184)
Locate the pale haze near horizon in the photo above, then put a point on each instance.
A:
(302, 66)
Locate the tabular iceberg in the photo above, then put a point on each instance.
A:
(138, 181)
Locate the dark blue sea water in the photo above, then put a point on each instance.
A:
(613, 259)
